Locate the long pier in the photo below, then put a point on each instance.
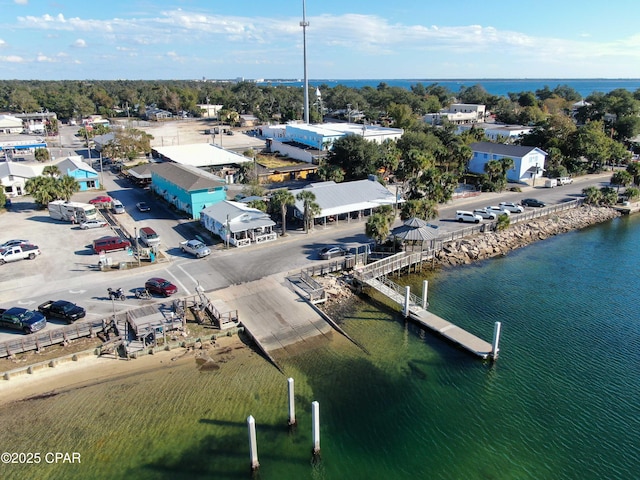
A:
(416, 307)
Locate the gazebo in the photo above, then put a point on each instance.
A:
(415, 230)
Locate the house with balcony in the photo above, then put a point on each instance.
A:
(188, 188)
(528, 161)
(238, 224)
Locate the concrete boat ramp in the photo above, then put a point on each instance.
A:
(273, 314)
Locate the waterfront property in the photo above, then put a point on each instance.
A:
(527, 161)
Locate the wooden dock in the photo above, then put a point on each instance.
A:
(446, 329)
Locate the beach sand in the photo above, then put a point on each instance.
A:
(91, 370)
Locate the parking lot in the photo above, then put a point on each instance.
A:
(66, 251)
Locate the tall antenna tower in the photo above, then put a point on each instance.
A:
(304, 24)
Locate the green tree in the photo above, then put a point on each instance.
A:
(51, 171)
(634, 170)
(378, 227)
(632, 193)
(423, 208)
(592, 195)
(42, 154)
(42, 189)
(309, 206)
(503, 222)
(3, 197)
(66, 186)
(621, 178)
(356, 156)
(402, 116)
(281, 199)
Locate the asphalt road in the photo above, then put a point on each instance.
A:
(67, 269)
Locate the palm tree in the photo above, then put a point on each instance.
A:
(310, 207)
(621, 178)
(51, 171)
(42, 189)
(377, 227)
(593, 196)
(66, 186)
(282, 199)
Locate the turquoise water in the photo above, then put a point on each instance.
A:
(494, 86)
(560, 403)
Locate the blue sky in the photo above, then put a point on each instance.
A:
(357, 39)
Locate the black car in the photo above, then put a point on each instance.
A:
(532, 202)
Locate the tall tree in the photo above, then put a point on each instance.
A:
(42, 189)
(51, 171)
(66, 186)
(281, 199)
(310, 207)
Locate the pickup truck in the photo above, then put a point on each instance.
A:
(62, 309)
(195, 248)
(18, 252)
(18, 318)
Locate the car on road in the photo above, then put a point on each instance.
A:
(469, 217)
(498, 210)
(68, 311)
(533, 202)
(511, 207)
(100, 200)
(95, 223)
(143, 207)
(331, 251)
(18, 318)
(564, 181)
(160, 286)
(13, 243)
(195, 248)
(486, 214)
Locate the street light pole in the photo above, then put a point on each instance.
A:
(135, 233)
(534, 175)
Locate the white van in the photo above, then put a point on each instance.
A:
(149, 237)
(551, 183)
(117, 206)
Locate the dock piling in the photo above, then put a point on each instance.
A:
(496, 340)
(425, 290)
(253, 445)
(292, 406)
(407, 300)
(315, 427)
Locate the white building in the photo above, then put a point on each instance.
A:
(528, 161)
(345, 200)
(498, 132)
(10, 124)
(13, 177)
(238, 224)
(458, 113)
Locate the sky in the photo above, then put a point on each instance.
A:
(355, 39)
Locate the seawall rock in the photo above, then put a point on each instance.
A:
(492, 244)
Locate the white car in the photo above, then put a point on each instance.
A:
(511, 207)
(470, 217)
(498, 210)
(195, 248)
(486, 214)
(93, 224)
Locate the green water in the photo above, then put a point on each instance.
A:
(561, 402)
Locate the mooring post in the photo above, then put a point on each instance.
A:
(425, 290)
(407, 293)
(292, 406)
(253, 445)
(315, 428)
(496, 340)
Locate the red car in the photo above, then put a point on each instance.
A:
(100, 200)
(160, 286)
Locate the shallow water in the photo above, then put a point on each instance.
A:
(560, 403)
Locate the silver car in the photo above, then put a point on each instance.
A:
(486, 214)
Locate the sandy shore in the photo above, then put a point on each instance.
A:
(91, 370)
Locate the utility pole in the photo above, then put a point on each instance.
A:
(304, 24)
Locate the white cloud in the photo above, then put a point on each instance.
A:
(44, 59)
(21, 2)
(12, 59)
(79, 43)
(2, 43)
